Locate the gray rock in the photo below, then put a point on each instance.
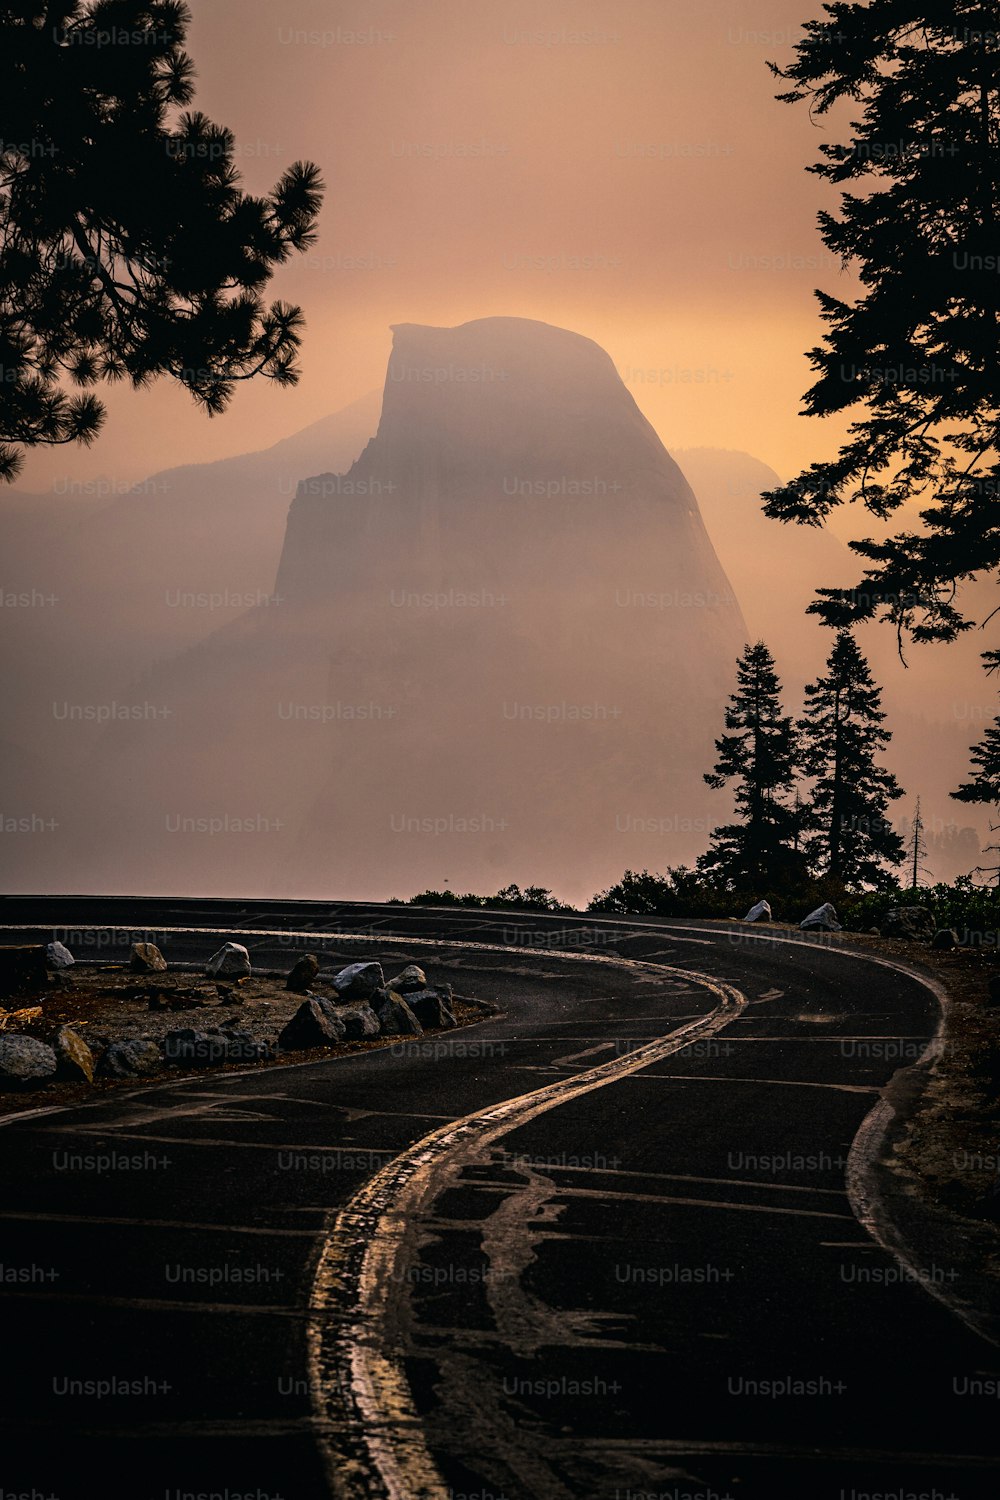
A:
(908, 922)
(759, 913)
(823, 919)
(358, 981)
(412, 978)
(431, 1008)
(180, 1045)
(313, 1025)
(146, 958)
(74, 1058)
(139, 1058)
(302, 973)
(946, 937)
(187, 1047)
(395, 1017)
(232, 961)
(242, 1047)
(58, 956)
(25, 1062)
(359, 1021)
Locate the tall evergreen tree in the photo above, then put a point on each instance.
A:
(983, 785)
(917, 355)
(758, 755)
(128, 249)
(852, 840)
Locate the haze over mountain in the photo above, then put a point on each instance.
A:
(505, 624)
(100, 584)
(439, 638)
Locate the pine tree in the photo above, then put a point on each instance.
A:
(984, 785)
(852, 840)
(127, 248)
(758, 755)
(916, 357)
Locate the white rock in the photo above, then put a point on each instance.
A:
(359, 981)
(58, 956)
(759, 913)
(824, 918)
(232, 962)
(410, 978)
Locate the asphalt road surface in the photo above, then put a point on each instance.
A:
(598, 1246)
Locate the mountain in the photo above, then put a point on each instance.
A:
(498, 648)
(502, 651)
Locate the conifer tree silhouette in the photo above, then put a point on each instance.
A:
(128, 249)
(759, 755)
(919, 351)
(852, 840)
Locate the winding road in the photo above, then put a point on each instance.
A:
(618, 1241)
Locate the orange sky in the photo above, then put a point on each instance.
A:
(621, 169)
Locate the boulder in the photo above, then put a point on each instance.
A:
(232, 961)
(25, 1062)
(908, 922)
(411, 978)
(823, 919)
(313, 1025)
(58, 956)
(23, 968)
(146, 958)
(242, 1047)
(759, 913)
(431, 1008)
(395, 1018)
(302, 973)
(74, 1058)
(138, 1058)
(358, 981)
(945, 937)
(189, 1048)
(359, 1021)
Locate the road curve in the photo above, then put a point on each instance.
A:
(610, 1228)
